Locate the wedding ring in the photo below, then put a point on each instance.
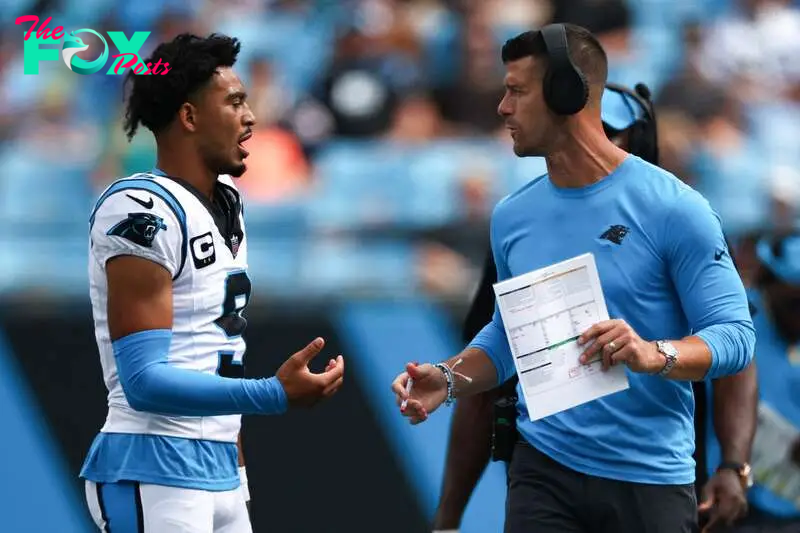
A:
(612, 346)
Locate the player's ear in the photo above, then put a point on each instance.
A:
(187, 115)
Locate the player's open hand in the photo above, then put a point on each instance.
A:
(616, 342)
(428, 390)
(304, 388)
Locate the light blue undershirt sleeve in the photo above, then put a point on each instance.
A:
(151, 384)
(492, 338)
(710, 289)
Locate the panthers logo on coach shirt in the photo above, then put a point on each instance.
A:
(166, 221)
(615, 233)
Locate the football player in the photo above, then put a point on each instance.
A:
(168, 283)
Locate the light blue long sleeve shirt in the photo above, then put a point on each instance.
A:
(665, 270)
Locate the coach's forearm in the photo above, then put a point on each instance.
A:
(735, 413)
(694, 359)
(714, 352)
(468, 452)
(475, 364)
(492, 342)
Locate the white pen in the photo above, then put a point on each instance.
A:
(409, 384)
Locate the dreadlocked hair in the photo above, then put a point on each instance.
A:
(155, 99)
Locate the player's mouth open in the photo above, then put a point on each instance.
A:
(242, 140)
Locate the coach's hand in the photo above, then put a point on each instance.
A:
(428, 391)
(304, 388)
(616, 342)
(724, 501)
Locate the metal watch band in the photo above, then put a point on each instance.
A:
(670, 354)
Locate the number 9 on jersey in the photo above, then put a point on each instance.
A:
(232, 323)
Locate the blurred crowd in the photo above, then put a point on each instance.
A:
(378, 154)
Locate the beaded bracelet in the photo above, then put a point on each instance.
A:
(448, 374)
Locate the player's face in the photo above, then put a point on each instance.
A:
(226, 123)
(523, 108)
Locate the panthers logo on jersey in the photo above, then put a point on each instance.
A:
(140, 228)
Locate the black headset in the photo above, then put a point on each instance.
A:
(566, 92)
(643, 133)
(565, 88)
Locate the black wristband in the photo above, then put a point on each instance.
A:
(731, 465)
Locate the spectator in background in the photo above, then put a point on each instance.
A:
(775, 497)
(376, 59)
(729, 169)
(470, 100)
(269, 99)
(277, 168)
(682, 104)
(754, 49)
(688, 89)
(611, 22)
(416, 120)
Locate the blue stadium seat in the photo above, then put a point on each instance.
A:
(430, 193)
(273, 264)
(736, 187)
(36, 188)
(344, 266)
(359, 185)
(285, 219)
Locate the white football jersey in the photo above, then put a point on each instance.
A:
(160, 219)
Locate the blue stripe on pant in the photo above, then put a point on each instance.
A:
(121, 507)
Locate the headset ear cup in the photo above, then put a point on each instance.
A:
(583, 89)
(550, 96)
(566, 91)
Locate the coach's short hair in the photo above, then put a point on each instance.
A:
(585, 51)
(154, 100)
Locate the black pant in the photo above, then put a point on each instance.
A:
(546, 497)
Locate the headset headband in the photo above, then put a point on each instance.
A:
(555, 40)
(564, 85)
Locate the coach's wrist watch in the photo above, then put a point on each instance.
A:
(742, 470)
(670, 353)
